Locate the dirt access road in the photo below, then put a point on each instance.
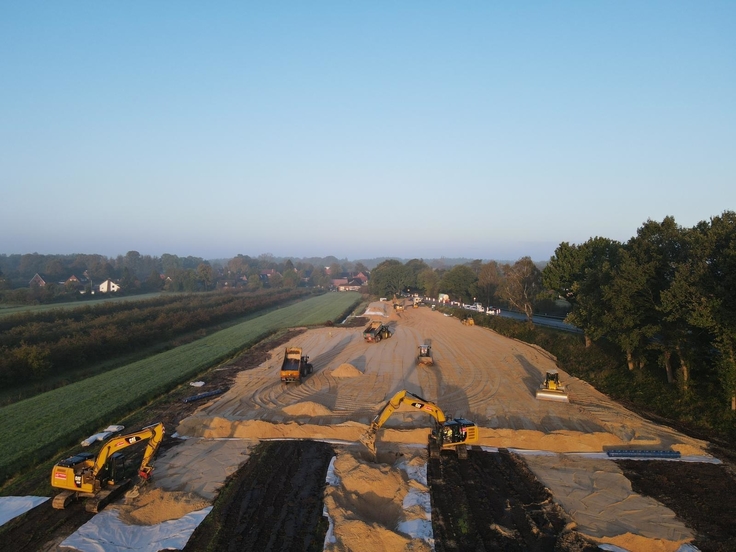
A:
(555, 497)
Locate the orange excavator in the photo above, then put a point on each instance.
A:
(103, 478)
(453, 434)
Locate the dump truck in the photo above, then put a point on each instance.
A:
(551, 389)
(103, 477)
(296, 366)
(425, 355)
(448, 434)
(375, 331)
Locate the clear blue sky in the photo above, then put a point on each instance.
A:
(487, 130)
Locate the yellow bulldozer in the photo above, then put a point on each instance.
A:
(468, 320)
(551, 389)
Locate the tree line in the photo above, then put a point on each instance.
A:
(666, 298)
(34, 347)
(138, 273)
(515, 285)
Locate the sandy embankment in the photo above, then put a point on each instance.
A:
(478, 374)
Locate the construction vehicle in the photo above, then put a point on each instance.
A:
(551, 389)
(398, 307)
(454, 434)
(425, 355)
(295, 366)
(416, 302)
(375, 331)
(468, 320)
(104, 477)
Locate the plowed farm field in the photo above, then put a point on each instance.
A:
(283, 467)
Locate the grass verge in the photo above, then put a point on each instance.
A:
(35, 429)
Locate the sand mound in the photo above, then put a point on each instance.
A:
(307, 408)
(153, 506)
(367, 505)
(346, 371)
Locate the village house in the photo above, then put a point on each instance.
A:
(37, 280)
(109, 286)
(351, 285)
(266, 274)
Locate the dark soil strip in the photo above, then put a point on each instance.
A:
(41, 526)
(273, 503)
(492, 501)
(702, 495)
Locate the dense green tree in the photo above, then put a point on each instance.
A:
(154, 283)
(490, 277)
(55, 270)
(238, 266)
(646, 269)
(127, 281)
(703, 292)
(30, 264)
(320, 278)
(415, 267)
(579, 275)
(428, 282)
(459, 283)
(335, 270)
(390, 278)
(131, 261)
(205, 275)
(291, 278)
(521, 285)
(276, 281)
(4, 282)
(476, 266)
(170, 263)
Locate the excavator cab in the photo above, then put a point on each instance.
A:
(552, 380)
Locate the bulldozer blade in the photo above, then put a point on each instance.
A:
(547, 395)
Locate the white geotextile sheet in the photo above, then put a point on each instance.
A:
(598, 497)
(13, 506)
(107, 533)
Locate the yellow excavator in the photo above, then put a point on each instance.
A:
(103, 478)
(551, 389)
(454, 434)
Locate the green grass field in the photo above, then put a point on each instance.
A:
(7, 310)
(36, 428)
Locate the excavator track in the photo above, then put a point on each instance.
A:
(104, 497)
(63, 499)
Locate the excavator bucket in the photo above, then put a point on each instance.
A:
(369, 440)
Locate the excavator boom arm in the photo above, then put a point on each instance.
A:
(154, 434)
(414, 400)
